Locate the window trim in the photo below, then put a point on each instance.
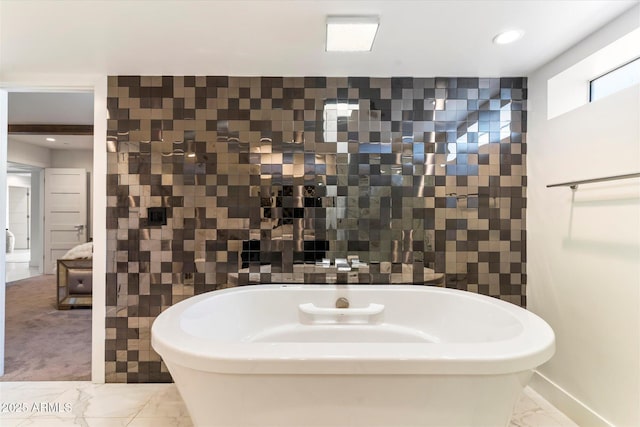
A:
(607, 73)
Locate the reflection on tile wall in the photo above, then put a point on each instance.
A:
(262, 176)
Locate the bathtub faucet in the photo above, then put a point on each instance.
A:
(342, 264)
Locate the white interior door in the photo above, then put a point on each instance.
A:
(19, 216)
(65, 212)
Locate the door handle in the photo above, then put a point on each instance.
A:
(79, 227)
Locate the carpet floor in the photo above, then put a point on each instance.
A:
(43, 343)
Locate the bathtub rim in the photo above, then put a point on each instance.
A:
(534, 346)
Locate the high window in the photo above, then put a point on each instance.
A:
(615, 80)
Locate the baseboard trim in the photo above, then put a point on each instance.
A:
(573, 408)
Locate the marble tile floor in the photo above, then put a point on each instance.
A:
(17, 266)
(53, 404)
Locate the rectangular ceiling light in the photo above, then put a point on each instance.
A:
(351, 33)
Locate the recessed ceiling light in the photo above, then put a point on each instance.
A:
(351, 33)
(507, 37)
(51, 139)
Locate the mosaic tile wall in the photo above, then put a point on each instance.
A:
(262, 176)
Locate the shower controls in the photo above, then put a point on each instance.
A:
(157, 216)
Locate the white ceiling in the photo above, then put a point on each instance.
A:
(62, 142)
(271, 38)
(50, 108)
(286, 37)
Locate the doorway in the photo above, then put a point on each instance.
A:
(19, 211)
(47, 132)
(24, 247)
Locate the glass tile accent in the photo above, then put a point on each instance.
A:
(422, 179)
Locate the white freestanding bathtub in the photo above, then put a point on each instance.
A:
(284, 355)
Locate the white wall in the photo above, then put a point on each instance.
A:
(78, 159)
(28, 154)
(72, 159)
(18, 180)
(584, 247)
